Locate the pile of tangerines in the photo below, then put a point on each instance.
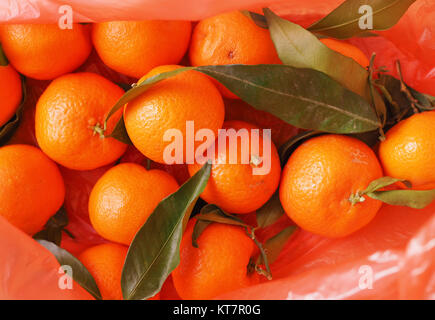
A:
(319, 187)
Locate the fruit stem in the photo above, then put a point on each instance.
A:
(256, 160)
(356, 198)
(97, 129)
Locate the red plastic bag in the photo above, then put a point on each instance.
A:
(391, 258)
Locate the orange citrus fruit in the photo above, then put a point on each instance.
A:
(347, 50)
(322, 180)
(44, 51)
(231, 38)
(409, 150)
(31, 188)
(69, 120)
(10, 93)
(233, 185)
(134, 48)
(218, 265)
(168, 105)
(124, 197)
(105, 263)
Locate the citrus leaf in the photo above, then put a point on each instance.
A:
(120, 132)
(343, 22)
(53, 228)
(417, 199)
(155, 250)
(258, 19)
(304, 98)
(290, 146)
(402, 104)
(380, 108)
(430, 99)
(80, 274)
(270, 212)
(137, 90)
(299, 48)
(213, 213)
(7, 130)
(274, 245)
(369, 138)
(198, 229)
(124, 86)
(399, 106)
(382, 183)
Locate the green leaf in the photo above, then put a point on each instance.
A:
(120, 132)
(7, 130)
(80, 274)
(258, 19)
(369, 138)
(299, 48)
(155, 250)
(137, 90)
(213, 213)
(304, 98)
(382, 183)
(273, 246)
(124, 86)
(343, 22)
(403, 99)
(53, 228)
(380, 108)
(417, 199)
(270, 212)
(290, 146)
(198, 229)
(399, 106)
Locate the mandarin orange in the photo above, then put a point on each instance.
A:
(322, 182)
(32, 188)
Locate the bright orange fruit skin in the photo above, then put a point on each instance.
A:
(231, 38)
(347, 50)
(234, 187)
(319, 179)
(105, 263)
(65, 116)
(409, 150)
(123, 199)
(10, 93)
(134, 48)
(44, 51)
(169, 104)
(31, 188)
(217, 266)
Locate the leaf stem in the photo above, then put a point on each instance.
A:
(382, 117)
(404, 88)
(72, 236)
(266, 273)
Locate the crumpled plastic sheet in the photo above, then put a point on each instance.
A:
(391, 258)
